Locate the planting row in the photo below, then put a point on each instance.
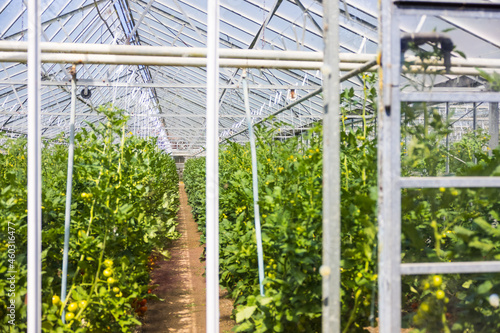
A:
(439, 225)
(124, 203)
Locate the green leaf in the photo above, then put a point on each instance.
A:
(245, 313)
(467, 284)
(485, 287)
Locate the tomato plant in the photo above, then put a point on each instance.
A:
(124, 205)
(444, 224)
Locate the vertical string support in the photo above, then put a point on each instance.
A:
(69, 187)
(212, 169)
(255, 183)
(34, 311)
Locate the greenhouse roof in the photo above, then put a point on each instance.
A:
(169, 102)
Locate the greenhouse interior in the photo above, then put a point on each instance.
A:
(338, 160)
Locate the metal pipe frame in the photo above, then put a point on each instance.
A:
(465, 267)
(436, 182)
(34, 295)
(109, 84)
(330, 270)
(110, 59)
(389, 198)
(12, 51)
(389, 164)
(455, 96)
(494, 125)
(212, 170)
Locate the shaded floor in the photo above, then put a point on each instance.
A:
(182, 285)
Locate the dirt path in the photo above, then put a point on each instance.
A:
(182, 285)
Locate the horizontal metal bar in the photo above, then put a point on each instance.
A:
(108, 84)
(456, 62)
(109, 59)
(464, 267)
(156, 115)
(454, 70)
(436, 182)
(170, 51)
(450, 96)
(470, 8)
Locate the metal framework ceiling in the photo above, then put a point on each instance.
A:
(169, 102)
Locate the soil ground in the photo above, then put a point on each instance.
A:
(182, 285)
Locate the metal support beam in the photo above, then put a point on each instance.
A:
(146, 10)
(447, 109)
(494, 124)
(389, 198)
(34, 170)
(212, 170)
(330, 270)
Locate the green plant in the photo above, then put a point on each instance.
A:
(124, 203)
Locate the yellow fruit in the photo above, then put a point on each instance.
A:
(73, 307)
(440, 294)
(56, 300)
(69, 316)
(437, 280)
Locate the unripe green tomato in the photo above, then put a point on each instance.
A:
(366, 302)
(83, 304)
(116, 289)
(417, 319)
(424, 307)
(108, 262)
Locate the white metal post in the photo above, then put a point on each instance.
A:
(447, 110)
(34, 170)
(493, 129)
(389, 195)
(212, 169)
(330, 269)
